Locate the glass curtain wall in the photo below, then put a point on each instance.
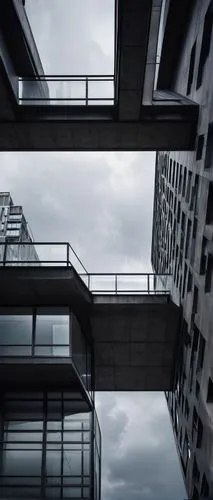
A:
(48, 448)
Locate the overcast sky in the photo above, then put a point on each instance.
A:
(102, 204)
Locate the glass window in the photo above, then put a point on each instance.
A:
(86, 461)
(14, 225)
(53, 492)
(52, 335)
(24, 410)
(71, 492)
(21, 462)
(53, 463)
(23, 426)
(15, 330)
(79, 349)
(22, 436)
(20, 492)
(11, 232)
(72, 462)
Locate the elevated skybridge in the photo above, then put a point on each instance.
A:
(129, 319)
(124, 111)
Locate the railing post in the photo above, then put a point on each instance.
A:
(89, 281)
(87, 91)
(148, 283)
(116, 284)
(67, 254)
(5, 254)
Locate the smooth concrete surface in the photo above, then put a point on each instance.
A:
(134, 342)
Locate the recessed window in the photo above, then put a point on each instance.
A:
(197, 389)
(191, 69)
(204, 488)
(195, 339)
(199, 433)
(201, 353)
(210, 391)
(195, 301)
(209, 147)
(206, 42)
(196, 472)
(209, 275)
(209, 211)
(189, 181)
(203, 258)
(200, 144)
(184, 182)
(189, 284)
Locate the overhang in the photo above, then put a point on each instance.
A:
(134, 336)
(134, 342)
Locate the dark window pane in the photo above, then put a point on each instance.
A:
(53, 463)
(52, 330)
(15, 330)
(72, 463)
(18, 462)
(20, 492)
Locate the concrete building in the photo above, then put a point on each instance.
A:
(50, 436)
(182, 244)
(119, 337)
(64, 335)
(16, 240)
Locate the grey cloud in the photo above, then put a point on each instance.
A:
(103, 207)
(81, 35)
(142, 461)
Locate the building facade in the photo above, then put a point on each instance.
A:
(50, 436)
(182, 244)
(16, 240)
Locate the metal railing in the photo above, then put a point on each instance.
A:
(83, 90)
(13, 254)
(127, 283)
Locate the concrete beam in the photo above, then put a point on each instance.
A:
(98, 135)
(132, 34)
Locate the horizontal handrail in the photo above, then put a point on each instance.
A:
(16, 254)
(63, 77)
(50, 89)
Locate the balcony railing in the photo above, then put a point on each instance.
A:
(62, 254)
(67, 90)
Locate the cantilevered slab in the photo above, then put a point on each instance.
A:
(42, 285)
(134, 342)
(38, 373)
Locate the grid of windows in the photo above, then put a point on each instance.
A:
(48, 448)
(174, 248)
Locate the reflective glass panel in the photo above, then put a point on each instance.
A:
(52, 335)
(15, 330)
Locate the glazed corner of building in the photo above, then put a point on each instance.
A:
(182, 243)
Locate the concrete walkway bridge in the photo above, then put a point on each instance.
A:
(129, 319)
(125, 111)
